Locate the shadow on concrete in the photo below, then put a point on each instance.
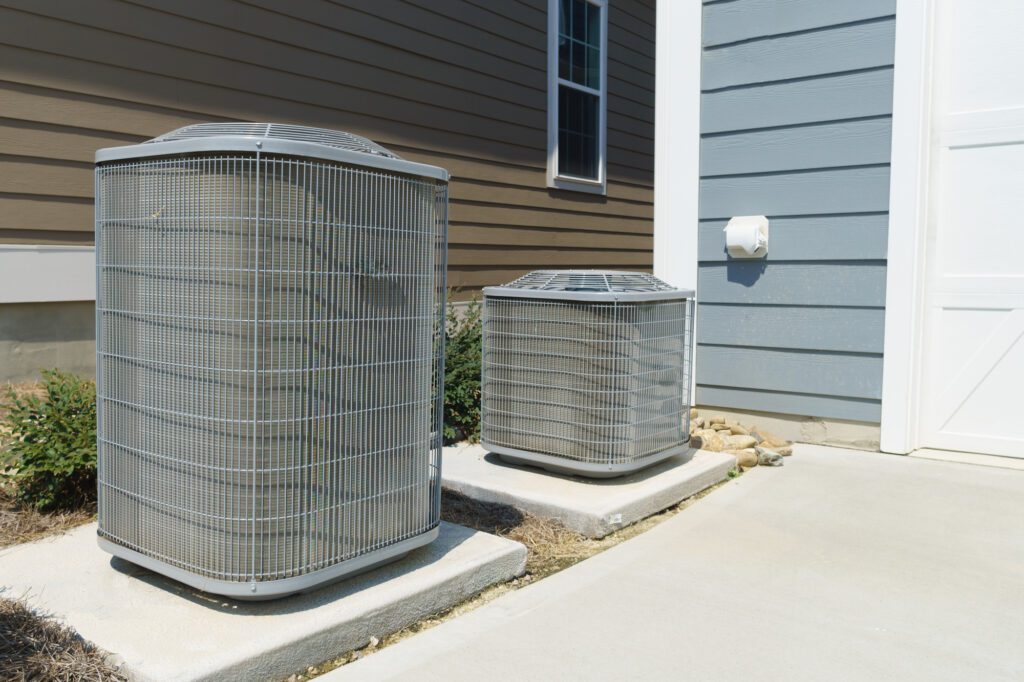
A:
(450, 537)
(636, 477)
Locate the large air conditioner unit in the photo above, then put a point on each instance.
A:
(269, 331)
(586, 372)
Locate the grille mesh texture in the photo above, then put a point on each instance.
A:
(338, 139)
(609, 281)
(269, 361)
(605, 384)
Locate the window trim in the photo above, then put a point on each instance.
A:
(568, 182)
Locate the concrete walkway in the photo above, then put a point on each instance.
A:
(841, 565)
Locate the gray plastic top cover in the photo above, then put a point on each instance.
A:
(273, 138)
(589, 285)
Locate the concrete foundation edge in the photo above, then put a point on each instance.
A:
(800, 429)
(293, 656)
(596, 523)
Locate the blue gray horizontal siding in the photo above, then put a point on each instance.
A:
(796, 125)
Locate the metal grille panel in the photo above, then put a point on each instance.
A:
(589, 280)
(269, 361)
(596, 383)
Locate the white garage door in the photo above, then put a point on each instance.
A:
(973, 369)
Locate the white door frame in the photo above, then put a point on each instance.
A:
(677, 178)
(677, 141)
(908, 221)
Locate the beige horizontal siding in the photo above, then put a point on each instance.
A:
(456, 83)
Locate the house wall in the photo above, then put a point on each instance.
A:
(36, 336)
(796, 104)
(461, 84)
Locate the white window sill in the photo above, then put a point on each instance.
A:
(577, 185)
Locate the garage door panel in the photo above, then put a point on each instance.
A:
(975, 370)
(980, 208)
(973, 364)
(983, 36)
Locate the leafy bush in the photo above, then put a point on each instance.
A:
(52, 457)
(462, 374)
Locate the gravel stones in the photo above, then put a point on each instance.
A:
(750, 446)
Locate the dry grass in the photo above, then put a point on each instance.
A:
(551, 548)
(36, 647)
(21, 524)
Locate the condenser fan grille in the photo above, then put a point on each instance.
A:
(268, 361)
(603, 281)
(601, 384)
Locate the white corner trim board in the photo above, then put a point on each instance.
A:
(38, 274)
(908, 208)
(677, 142)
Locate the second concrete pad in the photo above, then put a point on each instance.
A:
(592, 507)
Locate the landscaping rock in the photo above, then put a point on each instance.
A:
(745, 458)
(739, 442)
(769, 440)
(708, 441)
(768, 457)
(716, 434)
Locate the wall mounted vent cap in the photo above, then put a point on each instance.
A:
(747, 236)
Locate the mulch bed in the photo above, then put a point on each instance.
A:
(551, 546)
(21, 524)
(35, 647)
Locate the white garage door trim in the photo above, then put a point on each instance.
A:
(908, 213)
(951, 315)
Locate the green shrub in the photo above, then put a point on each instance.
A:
(462, 374)
(52, 457)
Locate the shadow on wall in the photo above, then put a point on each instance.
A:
(745, 272)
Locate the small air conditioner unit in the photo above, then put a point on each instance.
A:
(269, 319)
(586, 372)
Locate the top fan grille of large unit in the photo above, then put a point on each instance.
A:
(279, 131)
(597, 281)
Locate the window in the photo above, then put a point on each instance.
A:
(577, 46)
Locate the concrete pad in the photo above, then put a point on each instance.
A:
(839, 566)
(162, 630)
(593, 507)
